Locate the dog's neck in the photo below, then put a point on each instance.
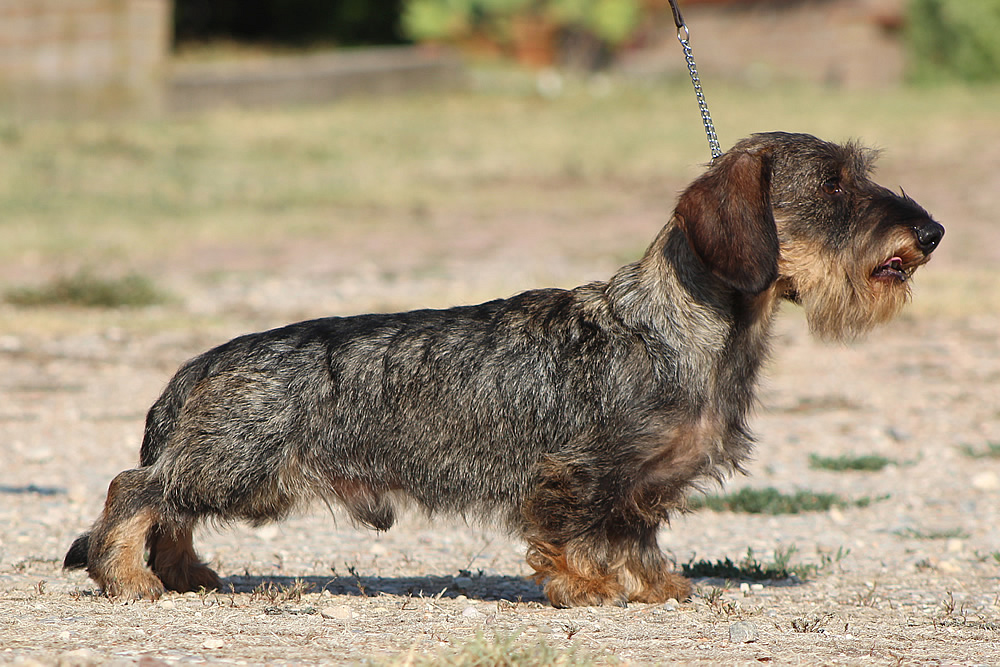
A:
(674, 302)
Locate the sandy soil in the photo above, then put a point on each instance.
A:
(920, 582)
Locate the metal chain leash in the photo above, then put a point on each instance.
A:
(684, 36)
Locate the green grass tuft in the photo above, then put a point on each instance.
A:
(508, 651)
(865, 462)
(749, 568)
(771, 501)
(918, 534)
(992, 451)
(86, 290)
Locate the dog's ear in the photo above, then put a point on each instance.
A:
(726, 216)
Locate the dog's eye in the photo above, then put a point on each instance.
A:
(831, 186)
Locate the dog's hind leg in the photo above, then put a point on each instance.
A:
(645, 573)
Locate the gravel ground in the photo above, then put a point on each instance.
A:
(920, 581)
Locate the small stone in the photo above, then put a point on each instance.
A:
(756, 587)
(337, 613)
(745, 588)
(38, 455)
(64, 636)
(897, 434)
(10, 344)
(670, 605)
(166, 604)
(472, 612)
(213, 643)
(950, 566)
(81, 656)
(742, 632)
(986, 481)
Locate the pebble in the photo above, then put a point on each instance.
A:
(986, 481)
(337, 612)
(81, 656)
(166, 604)
(472, 612)
(742, 632)
(38, 455)
(10, 344)
(213, 643)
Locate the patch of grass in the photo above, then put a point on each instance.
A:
(508, 651)
(771, 501)
(749, 568)
(864, 462)
(918, 534)
(86, 290)
(992, 451)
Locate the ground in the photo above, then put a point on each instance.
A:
(457, 217)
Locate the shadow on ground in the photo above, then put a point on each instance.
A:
(476, 587)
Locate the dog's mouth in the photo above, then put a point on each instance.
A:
(893, 269)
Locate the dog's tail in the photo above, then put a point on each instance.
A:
(161, 420)
(76, 557)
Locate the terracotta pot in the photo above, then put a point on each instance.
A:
(534, 40)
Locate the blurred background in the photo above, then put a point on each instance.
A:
(305, 154)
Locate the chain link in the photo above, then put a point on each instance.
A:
(684, 37)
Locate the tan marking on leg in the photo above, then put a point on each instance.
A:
(118, 567)
(572, 577)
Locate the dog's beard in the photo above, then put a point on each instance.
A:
(842, 302)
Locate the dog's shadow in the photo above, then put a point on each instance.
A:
(475, 587)
(487, 588)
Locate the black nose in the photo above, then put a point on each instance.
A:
(929, 235)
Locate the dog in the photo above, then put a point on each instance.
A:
(577, 419)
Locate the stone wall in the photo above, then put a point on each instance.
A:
(82, 56)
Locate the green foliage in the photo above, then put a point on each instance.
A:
(918, 534)
(865, 462)
(992, 451)
(86, 290)
(749, 568)
(507, 651)
(952, 39)
(771, 501)
(611, 21)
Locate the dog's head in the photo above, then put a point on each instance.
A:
(802, 217)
